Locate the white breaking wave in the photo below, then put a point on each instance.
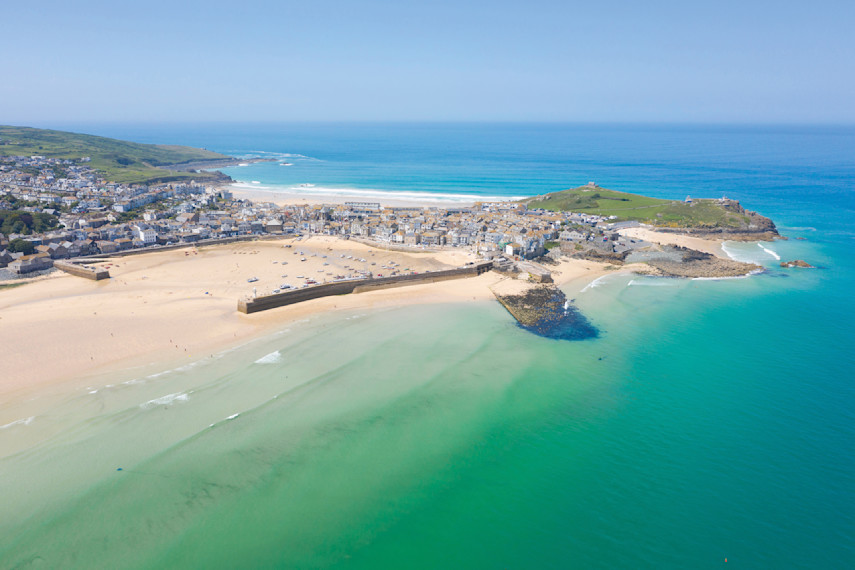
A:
(769, 251)
(165, 400)
(184, 368)
(729, 252)
(738, 255)
(22, 422)
(375, 194)
(746, 256)
(271, 358)
(594, 284)
(652, 283)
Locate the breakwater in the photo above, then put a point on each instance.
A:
(85, 271)
(345, 287)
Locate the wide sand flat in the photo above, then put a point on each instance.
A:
(171, 307)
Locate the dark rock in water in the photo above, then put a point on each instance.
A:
(796, 263)
(695, 263)
(546, 312)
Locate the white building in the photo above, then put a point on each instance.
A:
(146, 235)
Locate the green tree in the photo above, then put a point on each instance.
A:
(21, 246)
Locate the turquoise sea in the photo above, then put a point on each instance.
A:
(710, 423)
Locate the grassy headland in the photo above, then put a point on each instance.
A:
(697, 214)
(119, 161)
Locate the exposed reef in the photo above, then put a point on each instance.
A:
(545, 311)
(797, 263)
(685, 262)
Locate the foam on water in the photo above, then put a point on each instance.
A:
(21, 422)
(271, 358)
(595, 283)
(165, 400)
(742, 251)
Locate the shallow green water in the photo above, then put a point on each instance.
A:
(706, 422)
(709, 420)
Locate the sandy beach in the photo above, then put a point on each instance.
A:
(710, 246)
(162, 309)
(309, 196)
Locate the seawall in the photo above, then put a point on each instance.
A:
(94, 273)
(357, 286)
(185, 245)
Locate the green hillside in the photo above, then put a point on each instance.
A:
(119, 161)
(626, 206)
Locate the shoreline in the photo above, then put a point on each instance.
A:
(284, 196)
(166, 309)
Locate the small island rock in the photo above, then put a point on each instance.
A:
(796, 263)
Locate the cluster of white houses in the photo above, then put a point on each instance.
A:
(189, 213)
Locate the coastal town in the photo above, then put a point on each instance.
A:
(56, 209)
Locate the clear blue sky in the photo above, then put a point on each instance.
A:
(598, 60)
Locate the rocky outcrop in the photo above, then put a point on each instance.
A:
(545, 311)
(593, 254)
(754, 228)
(693, 263)
(796, 263)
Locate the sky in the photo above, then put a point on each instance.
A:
(657, 61)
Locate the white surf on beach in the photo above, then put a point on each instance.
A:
(595, 283)
(372, 194)
(745, 252)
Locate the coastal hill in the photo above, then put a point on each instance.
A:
(118, 161)
(696, 216)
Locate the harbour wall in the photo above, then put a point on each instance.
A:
(394, 247)
(93, 273)
(357, 286)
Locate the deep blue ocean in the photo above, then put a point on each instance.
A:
(709, 424)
